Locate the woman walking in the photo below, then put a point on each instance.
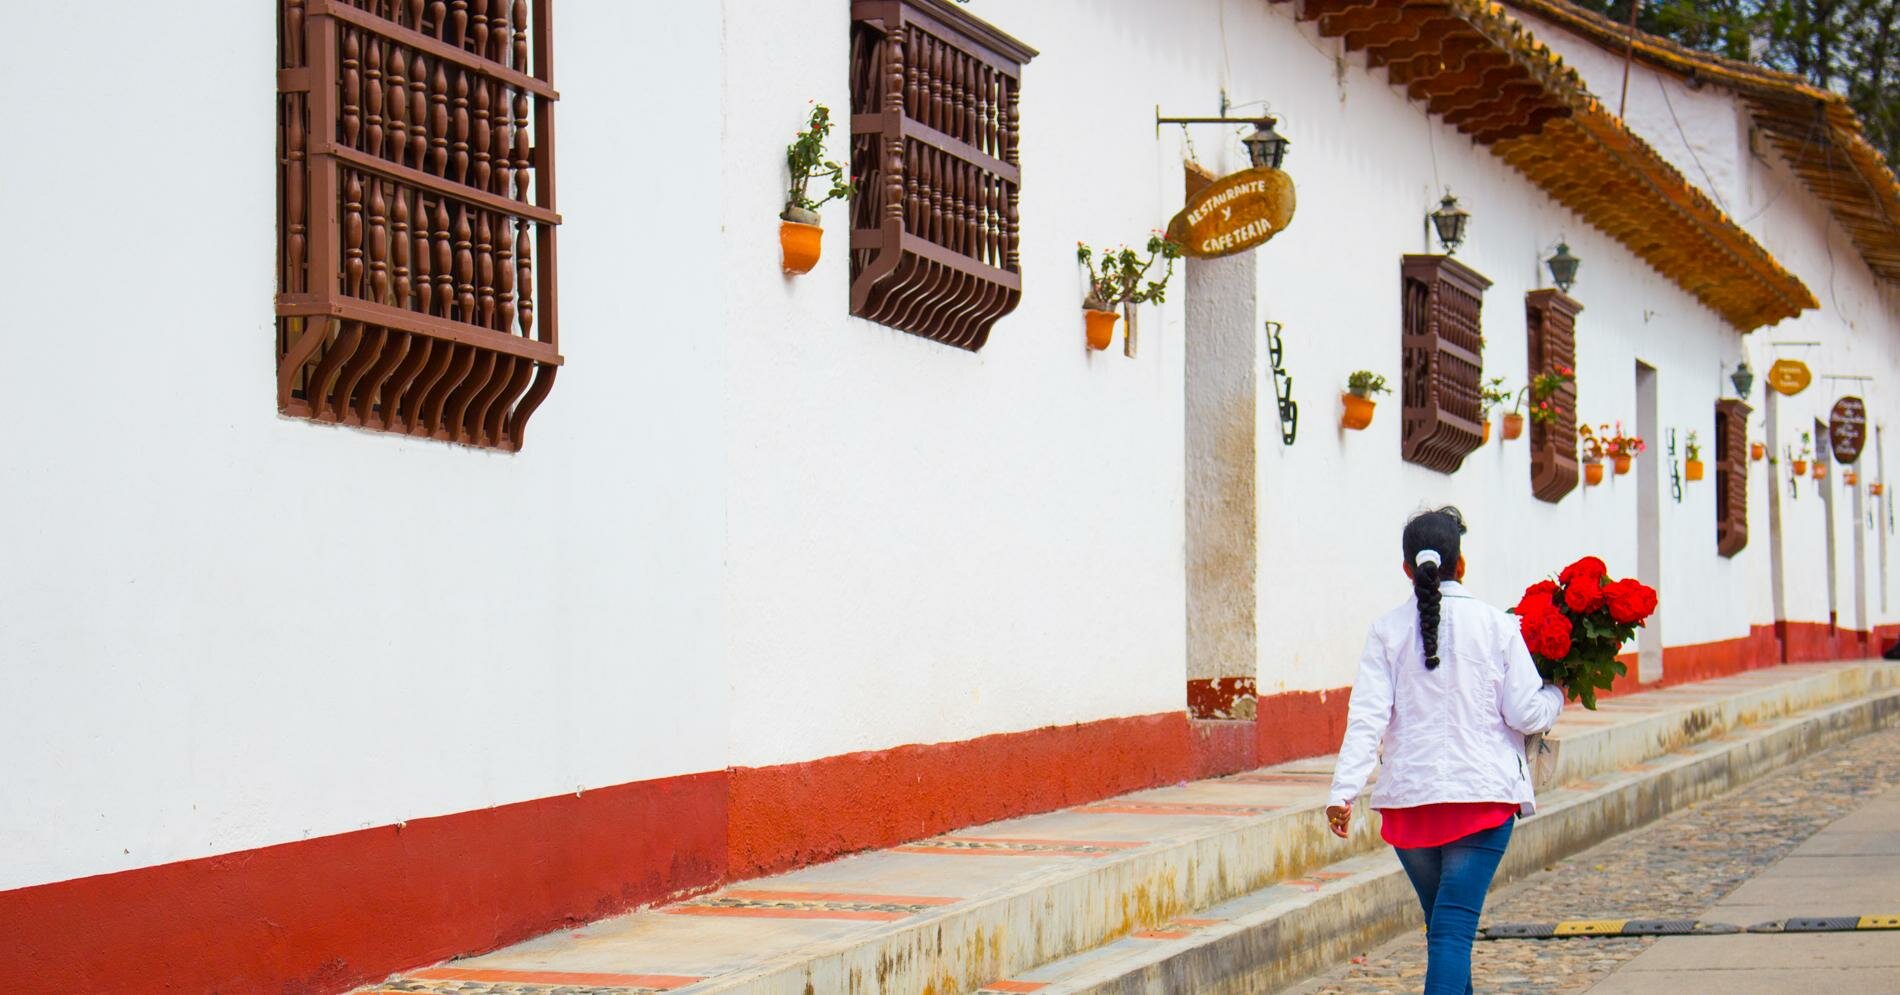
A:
(1448, 687)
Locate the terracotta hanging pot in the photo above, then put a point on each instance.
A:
(1622, 464)
(1593, 472)
(1487, 432)
(1692, 469)
(1101, 327)
(1875, 488)
(1800, 468)
(799, 239)
(1358, 413)
(1850, 478)
(1513, 426)
(1820, 470)
(1757, 451)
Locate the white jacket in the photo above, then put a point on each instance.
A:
(1454, 734)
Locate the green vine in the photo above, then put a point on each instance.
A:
(805, 159)
(1119, 279)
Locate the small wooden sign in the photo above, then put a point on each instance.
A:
(1789, 376)
(1234, 213)
(1847, 429)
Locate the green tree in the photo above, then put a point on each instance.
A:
(1849, 46)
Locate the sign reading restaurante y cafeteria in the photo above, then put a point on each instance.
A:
(1789, 376)
(1234, 213)
(1847, 429)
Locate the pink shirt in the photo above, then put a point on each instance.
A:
(1441, 823)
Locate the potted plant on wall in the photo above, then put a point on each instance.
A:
(1121, 282)
(1692, 458)
(1800, 460)
(1592, 449)
(1758, 451)
(1543, 390)
(1492, 395)
(1621, 449)
(1360, 386)
(799, 236)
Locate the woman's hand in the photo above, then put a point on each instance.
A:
(1339, 819)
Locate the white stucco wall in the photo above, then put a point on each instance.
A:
(220, 628)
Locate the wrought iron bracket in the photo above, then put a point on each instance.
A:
(1282, 385)
(1675, 470)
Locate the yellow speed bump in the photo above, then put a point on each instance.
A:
(1589, 927)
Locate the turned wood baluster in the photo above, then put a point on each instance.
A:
(485, 269)
(912, 80)
(524, 284)
(353, 237)
(352, 82)
(478, 30)
(498, 32)
(458, 24)
(373, 97)
(418, 112)
(893, 151)
(296, 144)
(464, 267)
(970, 188)
(458, 148)
(412, 14)
(521, 35)
(399, 246)
(936, 74)
(397, 108)
(522, 162)
(481, 139)
(439, 121)
(504, 275)
(500, 138)
(1012, 215)
(378, 244)
(437, 16)
(444, 262)
(425, 289)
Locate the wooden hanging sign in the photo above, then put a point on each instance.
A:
(1234, 213)
(1790, 376)
(1847, 429)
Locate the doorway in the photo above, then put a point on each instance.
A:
(1649, 480)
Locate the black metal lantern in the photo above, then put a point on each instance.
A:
(1266, 147)
(1450, 220)
(1743, 378)
(1563, 267)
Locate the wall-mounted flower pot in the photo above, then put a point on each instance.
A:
(1692, 469)
(1757, 451)
(1850, 478)
(800, 240)
(1875, 488)
(1513, 426)
(1101, 327)
(1820, 470)
(1800, 468)
(1593, 472)
(1622, 464)
(1358, 413)
(1487, 432)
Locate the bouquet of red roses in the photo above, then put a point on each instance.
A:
(1575, 626)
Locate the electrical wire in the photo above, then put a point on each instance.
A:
(1663, 88)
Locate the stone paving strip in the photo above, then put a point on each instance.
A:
(1176, 873)
(1679, 866)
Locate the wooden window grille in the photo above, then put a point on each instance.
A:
(1443, 362)
(1550, 320)
(1731, 476)
(416, 276)
(934, 128)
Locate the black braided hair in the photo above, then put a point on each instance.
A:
(1439, 531)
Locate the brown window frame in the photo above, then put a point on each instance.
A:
(416, 251)
(1442, 361)
(1550, 324)
(1731, 476)
(935, 127)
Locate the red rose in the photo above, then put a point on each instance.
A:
(1630, 601)
(1539, 599)
(1589, 566)
(1548, 635)
(1584, 595)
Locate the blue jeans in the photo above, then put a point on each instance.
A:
(1451, 882)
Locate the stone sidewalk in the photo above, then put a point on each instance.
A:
(1769, 847)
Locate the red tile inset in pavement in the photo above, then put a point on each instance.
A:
(1176, 808)
(998, 846)
(999, 987)
(808, 905)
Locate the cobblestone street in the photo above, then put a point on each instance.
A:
(1675, 868)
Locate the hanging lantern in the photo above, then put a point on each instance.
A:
(1743, 378)
(1266, 147)
(1450, 220)
(1563, 267)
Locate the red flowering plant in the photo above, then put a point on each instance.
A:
(1575, 626)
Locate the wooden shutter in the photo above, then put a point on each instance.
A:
(1550, 322)
(1443, 417)
(934, 127)
(416, 195)
(1731, 476)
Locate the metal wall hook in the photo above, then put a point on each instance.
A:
(1289, 409)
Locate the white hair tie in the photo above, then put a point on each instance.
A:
(1428, 556)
